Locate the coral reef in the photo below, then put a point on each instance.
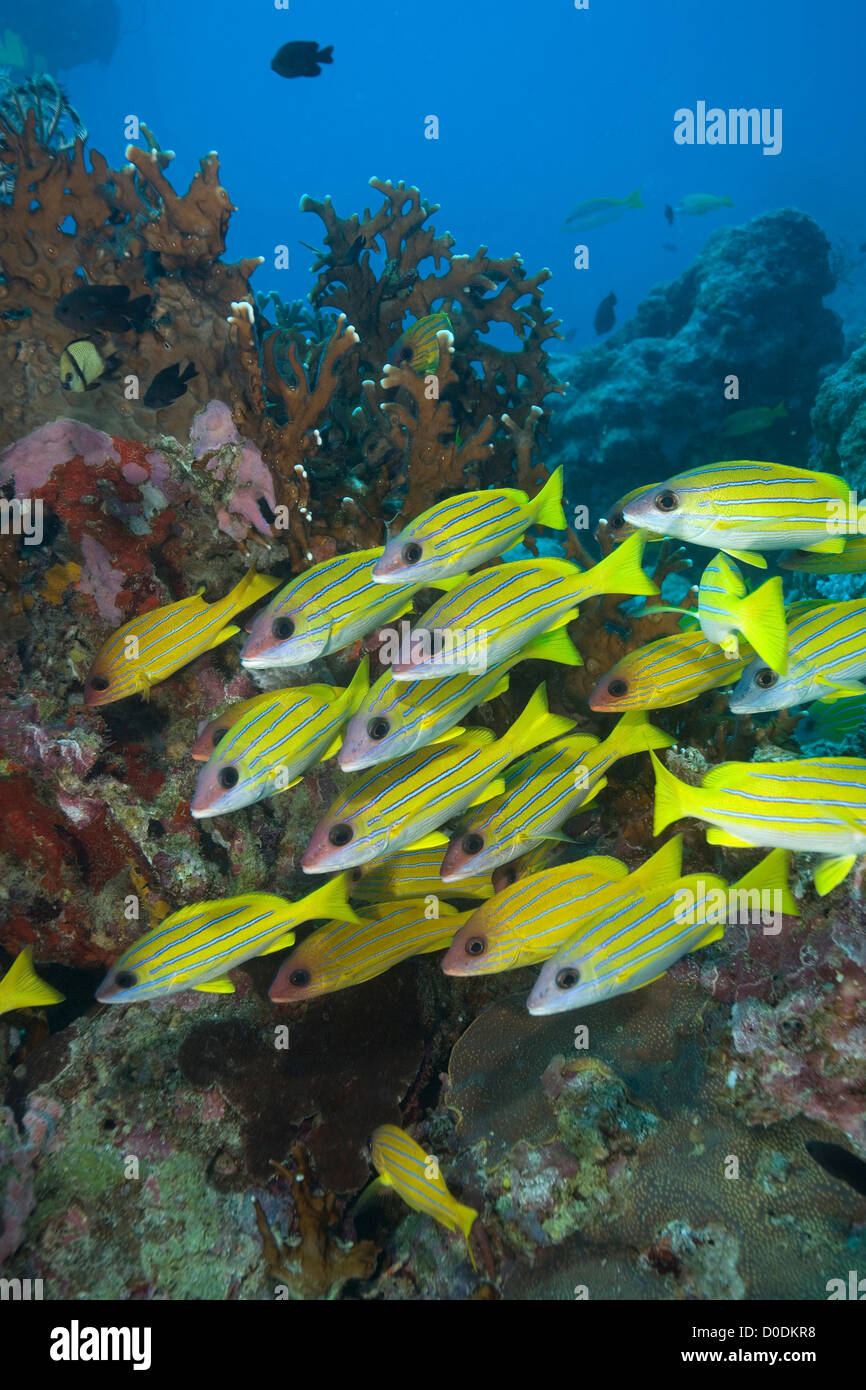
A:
(66, 226)
(650, 400)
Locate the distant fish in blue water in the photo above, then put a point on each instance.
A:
(696, 204)
(168, 386)
(669, 214)
(301, 59)
(605, 318)
(596, 212)
(831, 722)
(668, 246)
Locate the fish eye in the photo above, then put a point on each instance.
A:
(126, 979)
(617, 688)
(299, 978)
(217, 735)
(228, 777)
(568, 978)
(99, 682)
(616, 521)
(412, 553)
(765, 678)
(340, 834)
(476, 946)
(472, 844)
(378, 728)
(667, 502)
(282, 628)
(356, 874)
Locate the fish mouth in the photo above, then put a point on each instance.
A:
(202, 812)
(390, 567)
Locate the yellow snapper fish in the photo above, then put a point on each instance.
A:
(418, 346)
(725, 607)
(809, 804)
(621, 949)
(341, 954)
(464, 531)
(328, 607)
(272, 744)
(850, 560)
(597, 212)
(214, 730)
(743, 507)
(414, 873)
(22, 988)
(490, 615)
(530, 921)
(396, 717)
(147, 649)
(696, 204)
(546, 854)
(666, 672)
(826, 658)
(197, 946)
(401, 806)
(403, 1165)
(760, 417)
(541, 792)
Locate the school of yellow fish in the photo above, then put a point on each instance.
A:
(596, 928)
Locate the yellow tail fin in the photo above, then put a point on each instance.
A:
(620, 572)
(22, 988)
(329, 901)
(249, 590)
(534, 725)
(674, 799)
(633, 733)
(547, 510)
(761, 619)
(772, 873)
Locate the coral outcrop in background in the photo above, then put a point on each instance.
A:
(649, 401)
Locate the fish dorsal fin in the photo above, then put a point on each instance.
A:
(603, 866)
(477, 737)
(665, 865)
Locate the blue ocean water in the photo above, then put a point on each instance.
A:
(539, 107)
